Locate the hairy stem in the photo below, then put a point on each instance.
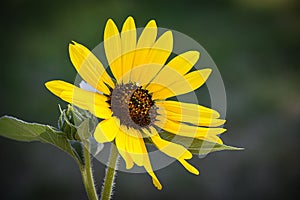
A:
(110, 174)
(87, 175)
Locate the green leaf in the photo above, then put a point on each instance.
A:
(196, 146)
(19, 130)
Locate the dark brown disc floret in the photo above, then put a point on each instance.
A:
(133, 105)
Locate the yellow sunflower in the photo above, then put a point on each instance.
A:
(134, 104)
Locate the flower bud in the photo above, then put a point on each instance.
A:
(71, 118)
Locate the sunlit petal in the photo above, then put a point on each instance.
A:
(94, 102)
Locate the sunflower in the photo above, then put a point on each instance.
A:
(135, 105)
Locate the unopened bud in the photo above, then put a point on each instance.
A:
(71, 118)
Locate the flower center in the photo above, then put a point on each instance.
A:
(132, 105)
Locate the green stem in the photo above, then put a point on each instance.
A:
(87, 175)
(110, 174)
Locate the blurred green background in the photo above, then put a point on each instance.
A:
(256, 46)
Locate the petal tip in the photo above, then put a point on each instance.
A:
(110, 20)
(194, 171)
(156, 183)
(129, 165)
(197, 54)
(73, 45)
(47, 84)
(223, 130)
(205, 73)
(189, 167)
(130, 18)
(72, 42)
(208, 71)
(51, 84)
(151, 24)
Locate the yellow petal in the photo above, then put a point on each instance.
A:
(89, 67)
(171, 149)
(180, 85)
(189, 167)
(143, 74)
(133, 144)
(188, 130)
(93, 102)
(196, 119)
(184, 62)
(129, 161)
(148, 36)
(148, 167)
(165, 77)
(174, 70)
(215, 139)
(128, 44)
(145, 42)
(154, 60)
(187, 109)
(155, 180)
(162, 49)
(112, 47)
(121, 143)
(107, 130)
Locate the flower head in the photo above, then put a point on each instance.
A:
(134, 105)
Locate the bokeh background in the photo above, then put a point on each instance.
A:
(256, 46)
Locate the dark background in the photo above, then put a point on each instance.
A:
(255, 44)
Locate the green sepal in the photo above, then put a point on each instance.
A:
(84, 130)
(77, 149)
(66, 122)
(71, 118)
